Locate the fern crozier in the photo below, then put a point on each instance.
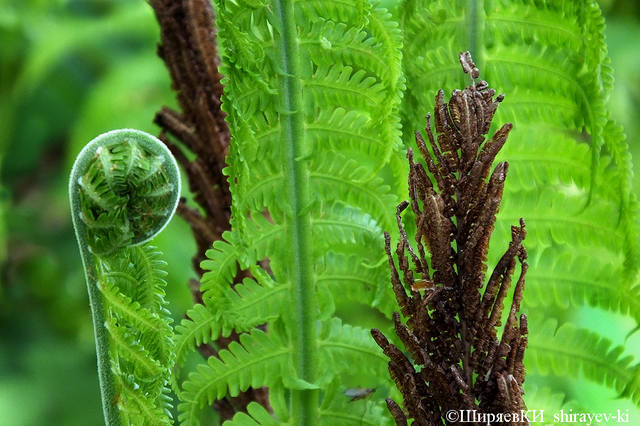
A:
(124, 188)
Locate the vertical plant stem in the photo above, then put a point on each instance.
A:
(105, 376)
(89, 262)
(304, 402)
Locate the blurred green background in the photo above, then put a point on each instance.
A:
(70, 70)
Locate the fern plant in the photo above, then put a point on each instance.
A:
(312, 92)
(124, 188)
(570, 174)
(314, 101)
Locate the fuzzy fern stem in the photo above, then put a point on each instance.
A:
(116, 203)
(304, 402)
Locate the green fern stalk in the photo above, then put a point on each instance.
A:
(124, 188)
(312, 92)
(304, 405)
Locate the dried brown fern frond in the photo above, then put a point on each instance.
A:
(456, 359)
(188, 48)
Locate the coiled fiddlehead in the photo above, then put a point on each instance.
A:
(124, 188)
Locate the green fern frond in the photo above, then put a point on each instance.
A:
(221, 261)
(260, 359)
(345, 349)
(554, 114)
(140, 334)
(349, 278)
(335, 85)
(250, 304)
(342, 411)
(124, 307)
(580, 278)
(125, 343)
(544, 401)
(571, 351)
(256, 415)
(138, 409)
(310, 175)
(202, 327)
(336, 410)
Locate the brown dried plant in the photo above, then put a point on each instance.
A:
(456, 360)
(188, 48)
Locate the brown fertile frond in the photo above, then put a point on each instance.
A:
(396, 412)
(188, 48)
(453, 313)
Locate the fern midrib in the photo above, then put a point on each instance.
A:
(611, 370)
(613, 233)
(372, 353)
(117, 301)
(304, 403)
(226, 373)
(106, 376)
(248, 304)
(529, 23)
(89, 264)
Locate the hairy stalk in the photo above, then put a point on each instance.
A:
(124, 188)
(304, 402)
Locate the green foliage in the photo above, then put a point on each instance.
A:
(99, 64)
(312, 92)
(570, 176)
(569, 350)
(570, 171)
(124, 188)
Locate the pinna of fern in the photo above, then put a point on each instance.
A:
(312, 92)
(451, 329)
(124, 188)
